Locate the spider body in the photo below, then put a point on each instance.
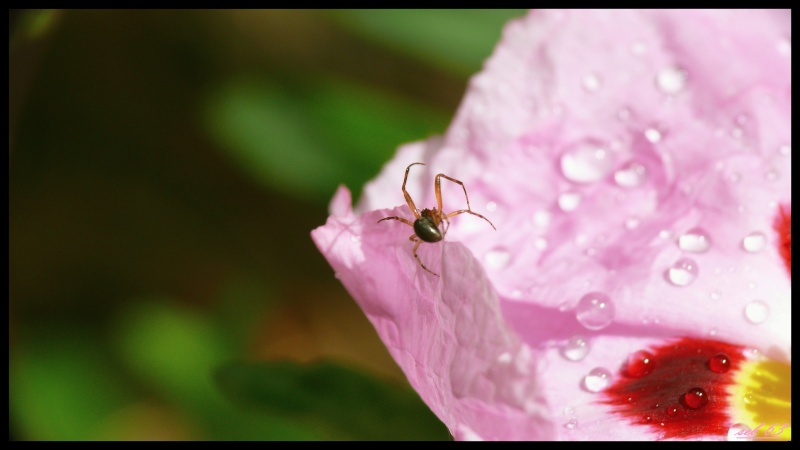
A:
(427, 226)
(427, 222)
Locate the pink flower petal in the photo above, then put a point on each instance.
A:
(446, 333)
(601, 144)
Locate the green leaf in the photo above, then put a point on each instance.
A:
(305, 138)
(455, 40)
(346, 403)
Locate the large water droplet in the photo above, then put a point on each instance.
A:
(756, 311)
(576, 348)
(719, 363)
(754, 242)
(640, 363)
(671, 80)
(497, 258)
(630, 175)
(695, 398)
(683, 272)
(595, 311)
(568, 201)
(597, 380)
(695, 240)
(586, 162)
(572, 424)
(592, 82)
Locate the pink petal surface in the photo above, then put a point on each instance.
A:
(692, 112)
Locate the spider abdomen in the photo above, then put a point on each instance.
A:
(426, 229)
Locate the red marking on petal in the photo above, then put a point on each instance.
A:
(783, 225)
(680, 368)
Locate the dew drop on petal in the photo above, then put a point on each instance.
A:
(595, 311)
(592, 82)
(572, 424)
(568, 201)
(719, 363)
(754, 242)
(756, 311)
(683, 272)
(672, 410)
(630, 175)
(640, 363)
(652, 135)
(771, 175)
(568, 411)
(597, 380)
(576, 348)
(497, 258)
(586, 162)
(695, 240)
(785, 150)
(671, 80)
(695, 398)
(540, 243)
(715, 295)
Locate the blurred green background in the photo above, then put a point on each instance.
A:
(165, 170)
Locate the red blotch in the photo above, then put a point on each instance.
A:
(678, 368)
(783, 225)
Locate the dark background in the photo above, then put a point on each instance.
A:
(165, 171)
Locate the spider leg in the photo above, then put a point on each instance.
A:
(438, 189)
(410, 202)
(414, 238)
(405, 221)
(461, 211)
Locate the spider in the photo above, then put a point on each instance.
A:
(426, 225)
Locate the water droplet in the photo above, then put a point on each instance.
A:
(572, 424)
(719, 363)
(713, 331)
(595, 311)
(647, 418)
(355, 238)
(751, 285)
(695, 240)
(568, 201)
(754, 242)
(695, 398)
(540, 243)
(640, 364)
(568, 411)
(491, 206)
(784, 46)
(665, 234)
(683, 272)
(630, 175)
(756, 311)
(576, 348)
(597, 380)
(785, 150)
(652, 135)
(541, 218)
(672, 411)
(771, 175)
(592, 82)
(638, 48)
(671, 80)
(632, 223)
(715, 295)
(497, 258)
(516, 293)
(586, 162)
(749, 399)
(504, 358)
